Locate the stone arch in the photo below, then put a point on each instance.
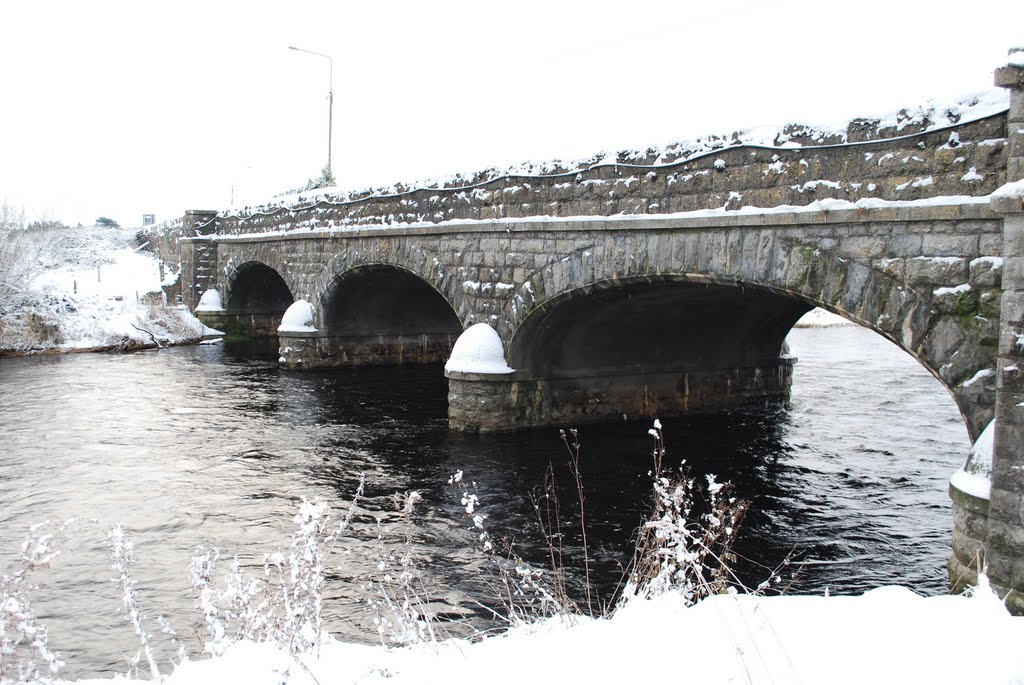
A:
(660, 321)
(384, 299)
(782, 271)
(399, 255)
(253, 287)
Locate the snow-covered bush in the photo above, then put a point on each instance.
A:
(122, 556)
(25, 655)
(685, 545)
(524, 592)
(283, 606)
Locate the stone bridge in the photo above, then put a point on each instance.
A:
(658, 286)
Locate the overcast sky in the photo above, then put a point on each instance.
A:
(123, 108)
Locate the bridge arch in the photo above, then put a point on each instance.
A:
(659, 321)
(401, 256)
(385, 300)
(371, 310)
(257, 297)
(585, 311)
(254, 286)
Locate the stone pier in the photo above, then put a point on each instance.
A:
(989, 530)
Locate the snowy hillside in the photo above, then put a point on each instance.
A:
(85, 289)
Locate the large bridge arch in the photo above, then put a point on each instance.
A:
(765, 294)
(656, 321)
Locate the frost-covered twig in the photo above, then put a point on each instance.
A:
(397, 593)
(527, 593)
(572, 444)
(122, 555)
(684, 547)
(282, 606)
(24, 644)
(150, 334)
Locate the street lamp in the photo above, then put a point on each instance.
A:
(330, 102)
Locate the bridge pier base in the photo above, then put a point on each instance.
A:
(249, 324)
(320, 349)
(506, 402)
(970, 529)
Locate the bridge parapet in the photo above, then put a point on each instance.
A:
(963, 159)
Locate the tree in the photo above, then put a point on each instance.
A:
(105, 222)
(47, 225)
(11, 218)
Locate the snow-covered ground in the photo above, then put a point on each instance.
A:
(819, 318)
(888, 635)
(83, 289)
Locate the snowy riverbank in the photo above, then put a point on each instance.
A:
(888, 635)
(71, 290)
(819, 318)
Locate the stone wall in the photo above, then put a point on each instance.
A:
(968, 159)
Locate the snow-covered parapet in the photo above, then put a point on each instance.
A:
(478, 350)
(298, 318)
(210, 302)
(975, 477)
(1008, 198)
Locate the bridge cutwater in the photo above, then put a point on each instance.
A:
(658, 287)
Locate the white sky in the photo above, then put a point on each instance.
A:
(121, 108)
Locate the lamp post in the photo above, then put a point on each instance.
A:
(330, 102)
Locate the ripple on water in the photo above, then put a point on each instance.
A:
(205, 446)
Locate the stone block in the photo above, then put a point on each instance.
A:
(1007, 474)
(967, 548)
(956, 302)
(1012, 308)
(949, 271)
(985, 273)
(863, 248)
(990, 244)
(1013, 271)
(1005, 539)
(951, 245)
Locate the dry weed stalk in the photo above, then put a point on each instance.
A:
(687, 542)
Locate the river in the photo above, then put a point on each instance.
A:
(215, 446)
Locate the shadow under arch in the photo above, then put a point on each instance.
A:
(654, 323)
(706, 343)
(382, 314)
(257, 297)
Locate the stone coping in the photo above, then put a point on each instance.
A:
(1007, 204)
(979, 209)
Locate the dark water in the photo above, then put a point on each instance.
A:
(214, 446)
